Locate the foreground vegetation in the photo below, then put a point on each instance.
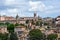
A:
(36, 34)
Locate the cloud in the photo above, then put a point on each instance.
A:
(2, 13)
(34, 6)
(39, 6)
(15, 2)
(12, 10)
(9, 2)
(53, 11)
(27, 7)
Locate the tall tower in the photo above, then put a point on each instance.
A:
(35, 17)
(34, 14)
(17, 18)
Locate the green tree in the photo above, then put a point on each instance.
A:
(45, 23)
(32, 21)
(13, 36)
(35, 34)
(17, 24)
(27, 21)
(10, 28)
(7, 23)
(39, 23)
(2, 23)
(3, 36)
(22, 25)
(52, 36)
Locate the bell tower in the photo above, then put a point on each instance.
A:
(17, 18)
(34, 14)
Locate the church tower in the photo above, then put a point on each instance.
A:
(35, 16)
(17, 18)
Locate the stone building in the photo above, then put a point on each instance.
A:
(3, 18)
(3, 29)
(58, 21)
(21, 32)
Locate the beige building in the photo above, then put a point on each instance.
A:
(3, 29)
(47, 19)
(3, 18)
(58, 18)
(47, 32)
(58, 21)
(21, 32)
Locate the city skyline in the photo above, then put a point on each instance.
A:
(43, 8)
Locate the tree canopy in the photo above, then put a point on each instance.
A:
(52, 36)
(13, 36)
(17, 24)
(27, 21)
(45, 23)
(2, 23)
(35, 34)
(7, 23)
(3, 36)
(39, 23)
(10, 27)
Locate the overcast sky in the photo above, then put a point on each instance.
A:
(43, 8)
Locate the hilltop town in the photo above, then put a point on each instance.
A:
(23, 25)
